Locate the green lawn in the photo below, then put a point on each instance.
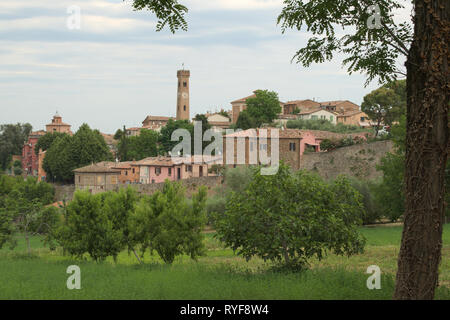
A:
(219, 275)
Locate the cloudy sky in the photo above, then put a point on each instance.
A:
(117, 69)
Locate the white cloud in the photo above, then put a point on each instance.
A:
(232, 4)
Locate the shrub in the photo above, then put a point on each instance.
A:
(389, 192)
(215, 205)
(290, 217)
(89, 227)
(166, 223)
(372, 212)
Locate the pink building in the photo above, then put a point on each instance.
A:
(158, 169)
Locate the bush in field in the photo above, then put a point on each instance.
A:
(372, 212)
(290, 217)
(389, 192)
(215, 205)
(237, 179)
(168, 224)
(22, 209)
(90, 228)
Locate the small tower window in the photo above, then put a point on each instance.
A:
(185, 84)
(184, 108)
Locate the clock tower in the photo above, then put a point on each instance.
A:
(183, 95)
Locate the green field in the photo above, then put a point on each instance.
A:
(219, 275)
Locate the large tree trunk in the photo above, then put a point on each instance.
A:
(426, 151)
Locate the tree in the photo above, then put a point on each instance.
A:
(290, 217)
(22, 209)
(67, 153)
(264, 107)
(88, 228)
(165, 139)
(119, 134)
(45, 142)
(12, 139)
(245, 121)
(139, 147)
(224, 113)
(385, 104)
(166, 223)
(205, 126)
(168, 12)
(377, 105)
(372, 43)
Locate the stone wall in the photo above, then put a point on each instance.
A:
(191, 185)
(66, 191)
(359, 160)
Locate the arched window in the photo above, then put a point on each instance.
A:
(184, 108)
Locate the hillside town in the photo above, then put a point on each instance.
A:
(106, 175)
(301, 154)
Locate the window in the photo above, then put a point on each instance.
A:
(133, 170)
(314, 117)
(184, 108)
(323, 117)
(263, 146)
(291, 146)
(188, 168)
(362, 119)
(170, 171)
(158, 171)
(185, 84)
(126, 173)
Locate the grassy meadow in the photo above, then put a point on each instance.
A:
(218, 275)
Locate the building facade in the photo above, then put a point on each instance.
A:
(57, 125)
(257, 146)
(30, 159)
(97, 178)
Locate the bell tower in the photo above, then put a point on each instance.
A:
(183, 94)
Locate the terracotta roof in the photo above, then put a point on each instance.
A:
(282, 133)
(101, 167)
(38, 133)
(308, 103)
(244, 99)
(157, 118)
(352, 113)
(156, 161)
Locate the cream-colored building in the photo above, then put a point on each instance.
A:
(319, 114)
